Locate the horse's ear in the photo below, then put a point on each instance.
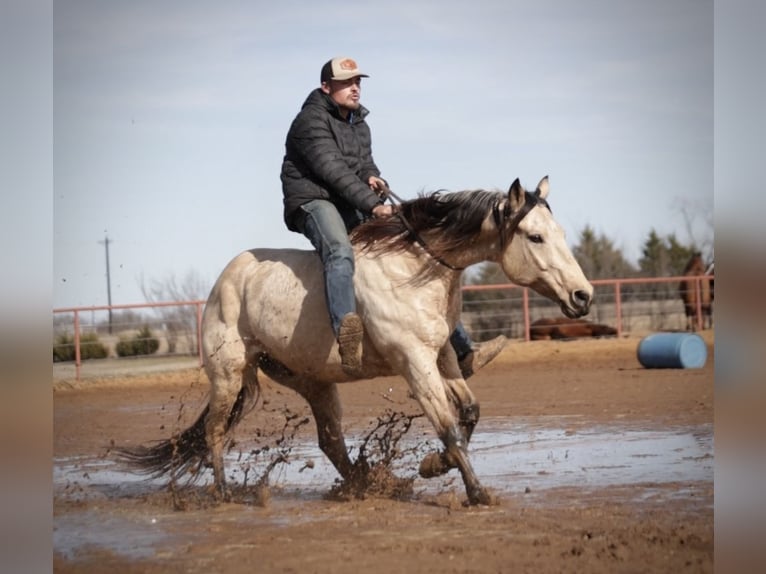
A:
(516, 195)
(542, 187)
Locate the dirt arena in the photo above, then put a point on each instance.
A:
(547, 521)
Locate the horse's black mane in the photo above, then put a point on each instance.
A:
(456, 216)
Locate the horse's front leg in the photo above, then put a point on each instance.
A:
(431, 391)
(458, 391)
(438, 463)
(457, 454)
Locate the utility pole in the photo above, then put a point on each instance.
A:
(108, 281)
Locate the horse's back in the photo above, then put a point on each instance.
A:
(272, 300)
(261, 277)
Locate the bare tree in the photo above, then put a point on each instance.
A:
(698, 224)
(180, 323)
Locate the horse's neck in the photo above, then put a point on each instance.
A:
(478, 251)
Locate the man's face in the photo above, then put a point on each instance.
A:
(345, 93)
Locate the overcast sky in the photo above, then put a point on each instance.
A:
(169, 119)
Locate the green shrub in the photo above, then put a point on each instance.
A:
(142, 343)
(90, 347)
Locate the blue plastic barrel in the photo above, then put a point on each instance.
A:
(672, 351)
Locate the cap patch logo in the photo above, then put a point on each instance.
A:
(347, 64)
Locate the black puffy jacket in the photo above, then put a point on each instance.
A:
(327, 157)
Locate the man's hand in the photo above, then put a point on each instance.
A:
(377, 185)
(383, 210)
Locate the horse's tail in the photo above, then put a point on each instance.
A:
(186, 452)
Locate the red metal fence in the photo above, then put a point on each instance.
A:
(633, 306)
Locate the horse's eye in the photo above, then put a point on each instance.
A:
(535, 238)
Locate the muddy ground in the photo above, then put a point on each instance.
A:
(544, 521)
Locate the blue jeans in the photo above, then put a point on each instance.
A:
(328, 232)
(461, 341)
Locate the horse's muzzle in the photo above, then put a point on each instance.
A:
(582, 300)
(579, 304)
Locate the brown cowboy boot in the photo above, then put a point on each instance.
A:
(481, 354)
(350, 337)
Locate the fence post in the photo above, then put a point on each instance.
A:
(618, 307)
(698, 310)
(77, 355)
(527, 326)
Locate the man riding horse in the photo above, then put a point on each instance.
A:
(330, 185)
(267, 312)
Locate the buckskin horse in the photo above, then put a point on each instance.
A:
(697, 294)
(267, 312)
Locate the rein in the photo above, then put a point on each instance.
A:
(420, 241)
(499, 216)
(415, 235)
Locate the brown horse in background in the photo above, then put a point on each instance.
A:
(692, 289)
(566, 328)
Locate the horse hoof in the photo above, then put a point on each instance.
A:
(481, 497)
(434, 464)
(221, 494)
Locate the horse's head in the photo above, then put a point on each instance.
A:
(535, 253)
(695, 266)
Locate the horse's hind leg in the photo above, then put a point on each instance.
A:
(690, 319)
(325, 406)
(225, 368)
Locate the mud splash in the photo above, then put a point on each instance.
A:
(377, 454)
(509, 456)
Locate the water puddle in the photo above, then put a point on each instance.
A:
(543, 457)
(510, 457)
(122, 535)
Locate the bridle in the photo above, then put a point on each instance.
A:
(500, 216)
